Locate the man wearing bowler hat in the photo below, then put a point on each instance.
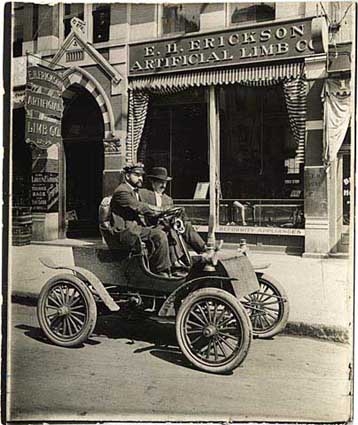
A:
(158, 178)
(128, 220)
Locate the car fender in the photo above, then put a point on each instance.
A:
(86, 276)
(167, 309)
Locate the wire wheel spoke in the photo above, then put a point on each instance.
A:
(229, 336)
(277, 302)
(273, 317)
(195, 324)
(53, 300)
(266, 309)
(224, 341)
(220, 345)
(57, 296)
(50, 316)
(62, 294)
(78, 313)
(194, 331)
(55, 324)
(77, 319)
(198, 318)
(226, 321)
(76, 299)
(203, 314)
(209, 311)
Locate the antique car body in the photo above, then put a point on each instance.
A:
(215, 307)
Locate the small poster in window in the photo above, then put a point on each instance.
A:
(295, 193)
(201, 190)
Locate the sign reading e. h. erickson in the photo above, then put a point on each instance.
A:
(229, 47)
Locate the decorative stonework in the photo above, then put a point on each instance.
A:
(112, 145)
(78, 25)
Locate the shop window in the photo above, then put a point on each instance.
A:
(183, 17)
(251, 12)
(101, 21)
(261, 179)
(18, 30)
(173, 124)
(71, 11)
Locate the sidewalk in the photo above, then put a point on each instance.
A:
(320, 291)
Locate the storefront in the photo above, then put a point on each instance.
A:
(227, 112)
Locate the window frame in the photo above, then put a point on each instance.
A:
(161, 26)
(102, 6)
(229, 14)
(87, 18)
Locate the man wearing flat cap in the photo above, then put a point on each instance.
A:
(158, 178)
(128, 220)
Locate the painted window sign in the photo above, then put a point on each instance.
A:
(229, 47)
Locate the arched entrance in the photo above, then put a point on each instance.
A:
(83, 131)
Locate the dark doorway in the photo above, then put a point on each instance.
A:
(21, 161)
(82, 132)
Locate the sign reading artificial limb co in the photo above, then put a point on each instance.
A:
(44, 106)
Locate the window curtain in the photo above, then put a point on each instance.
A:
(337, 113)
(138, 109)
(295, 91)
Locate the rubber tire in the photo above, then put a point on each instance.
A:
(87, 296)
(277, 287)
(245, 323)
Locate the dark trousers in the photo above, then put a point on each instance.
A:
(193, 239)
(158, 247)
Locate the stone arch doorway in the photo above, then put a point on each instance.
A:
(83, 131)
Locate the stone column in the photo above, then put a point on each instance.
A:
(315, 175)
(48, 35)
(45, 193)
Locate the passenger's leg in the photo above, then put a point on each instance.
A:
(193, 239)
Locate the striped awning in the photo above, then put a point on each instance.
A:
(253, 75)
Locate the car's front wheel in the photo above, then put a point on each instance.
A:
(213, 330)
(66, 310)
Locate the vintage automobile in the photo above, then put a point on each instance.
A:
(216, 307)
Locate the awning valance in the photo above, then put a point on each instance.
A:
(253, 75)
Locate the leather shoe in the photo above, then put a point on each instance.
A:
(179, 273)
(163, 274)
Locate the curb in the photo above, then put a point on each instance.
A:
(318, 331)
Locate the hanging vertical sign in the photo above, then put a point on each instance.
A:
(44, 110)
(44, 106)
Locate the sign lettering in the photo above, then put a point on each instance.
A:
(230, 47)
(44, 106)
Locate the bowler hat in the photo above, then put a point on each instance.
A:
(159, 173)
(134, 168)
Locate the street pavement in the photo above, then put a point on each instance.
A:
(320, 290)
(133, 371)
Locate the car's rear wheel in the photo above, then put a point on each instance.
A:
(213, 330)
(268, 308)
(66, 310)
